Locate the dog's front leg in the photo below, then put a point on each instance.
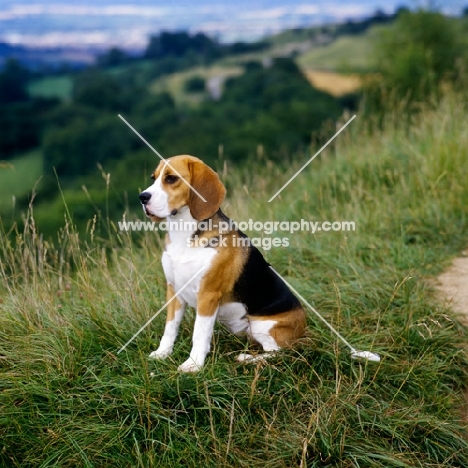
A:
(207, 308)
(175, 313)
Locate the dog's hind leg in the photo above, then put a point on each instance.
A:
(274, 332)
(259, 331)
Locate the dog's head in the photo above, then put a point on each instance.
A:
(183, 181)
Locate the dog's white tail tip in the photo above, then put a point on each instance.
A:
(249, 358)
(366, 355)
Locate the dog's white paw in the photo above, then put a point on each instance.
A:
(161, 353)
(189, 366)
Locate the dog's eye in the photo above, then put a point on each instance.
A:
(152, 177)
(171, 179)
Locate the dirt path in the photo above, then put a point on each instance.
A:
(452, 285)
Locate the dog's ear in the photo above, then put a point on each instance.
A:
(206, 182)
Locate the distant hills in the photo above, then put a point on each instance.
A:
(49, 59)
(46, 59)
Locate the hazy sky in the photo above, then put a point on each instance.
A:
(128, 23)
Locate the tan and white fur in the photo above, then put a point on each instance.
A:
(235, 285)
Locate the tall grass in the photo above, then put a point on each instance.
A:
(68, 399)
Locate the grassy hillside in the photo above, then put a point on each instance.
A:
(18, 176)
(175, 82)
(335, 84)
(348, 53)
(345, 54)
(68, 399)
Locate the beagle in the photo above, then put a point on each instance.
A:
(235, 285)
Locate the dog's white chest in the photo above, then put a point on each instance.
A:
(182, 265)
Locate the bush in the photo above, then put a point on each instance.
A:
(415, 55)
(195, 84)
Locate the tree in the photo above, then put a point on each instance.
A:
(180, 44)
(13, 82)
(101, 91)
(113, 57)
(195, 84)
(417, 53)
(275, 107)
(76, 149)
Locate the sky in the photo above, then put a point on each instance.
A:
(128, 24)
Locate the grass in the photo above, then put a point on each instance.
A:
(18, 177)
(68, 399)
(345, 54)
(335, 84)
(52, 86)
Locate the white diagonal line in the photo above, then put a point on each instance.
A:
(353, 350)
(313, 157)
(160, 157)
(159, 311)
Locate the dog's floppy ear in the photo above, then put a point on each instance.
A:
(206, 182)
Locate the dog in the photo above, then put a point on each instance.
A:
(235, 286)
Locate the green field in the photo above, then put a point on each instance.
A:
(18, 177)
(345, 54)
(68, 399)
(52, 86)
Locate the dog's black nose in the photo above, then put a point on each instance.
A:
(145, 197)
